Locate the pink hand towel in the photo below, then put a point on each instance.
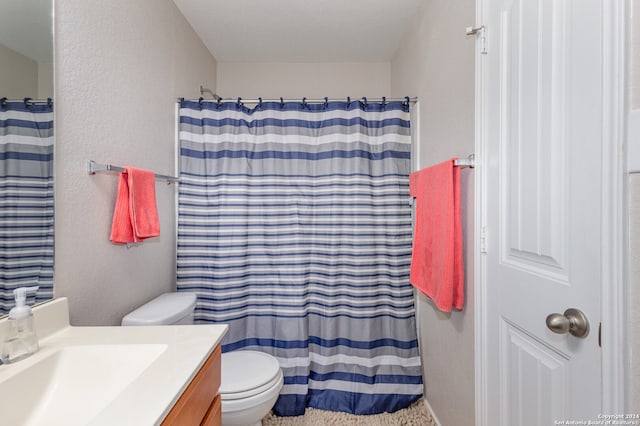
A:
(135, 217)
(436, 265)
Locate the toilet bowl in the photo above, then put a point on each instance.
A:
(251, 383)
(251, 380)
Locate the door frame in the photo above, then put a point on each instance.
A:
(615, 308)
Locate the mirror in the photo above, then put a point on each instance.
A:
(26, 149)
(26, 49)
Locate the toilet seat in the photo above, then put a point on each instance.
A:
(248, 373)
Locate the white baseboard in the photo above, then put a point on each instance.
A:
(433, 415)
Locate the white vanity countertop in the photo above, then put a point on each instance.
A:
(148, 398)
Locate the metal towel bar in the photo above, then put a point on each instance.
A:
(93, 168)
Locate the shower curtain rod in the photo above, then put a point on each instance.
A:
(305, 100)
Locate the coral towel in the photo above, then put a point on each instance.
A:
(135, 216)
(436, 265)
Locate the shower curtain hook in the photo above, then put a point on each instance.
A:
(326, 102)
(200, 99)
(364, 103)
(219, 102)
(26, 101)
(3, 102)
(49, 102)
(348, 101)
(281, 102)
(384, 102)
(304, 102)
(239, 103)
(406, 103)
(260, 103)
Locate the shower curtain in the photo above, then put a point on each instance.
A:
(294, 228)
(26, 200)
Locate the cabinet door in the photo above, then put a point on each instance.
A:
(197, 400)
(214, 415)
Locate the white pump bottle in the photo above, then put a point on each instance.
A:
(22, 340)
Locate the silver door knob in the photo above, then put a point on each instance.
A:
(573, 321)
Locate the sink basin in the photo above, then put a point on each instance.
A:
(73, 384)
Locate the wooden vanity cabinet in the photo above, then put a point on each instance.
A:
(200, 403)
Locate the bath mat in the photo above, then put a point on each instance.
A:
(414, 415)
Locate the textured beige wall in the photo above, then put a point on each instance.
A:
(436, 63)
(18, 75)
(120, 65)
(296, 80)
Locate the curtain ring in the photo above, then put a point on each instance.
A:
(281, 103)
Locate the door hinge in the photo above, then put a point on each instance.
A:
(481, 35)
(483, 240)
(600, 334)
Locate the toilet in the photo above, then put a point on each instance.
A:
(166, 309)
(251, 380)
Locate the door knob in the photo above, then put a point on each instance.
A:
(573, 321)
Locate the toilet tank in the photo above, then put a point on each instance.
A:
(166, 309)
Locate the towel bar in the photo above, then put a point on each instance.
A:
(93, 168)
(470, 161)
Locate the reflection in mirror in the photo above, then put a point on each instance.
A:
(26, 149)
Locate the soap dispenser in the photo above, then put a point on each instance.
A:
(22, 340)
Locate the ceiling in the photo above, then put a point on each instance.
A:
(25, 26)
(300, 30)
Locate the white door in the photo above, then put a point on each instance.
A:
(542, 209)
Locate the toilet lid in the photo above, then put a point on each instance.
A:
(246, 373)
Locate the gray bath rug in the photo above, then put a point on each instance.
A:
(414, 415)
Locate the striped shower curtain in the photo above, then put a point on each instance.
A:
(294, 228)
(26, 200)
